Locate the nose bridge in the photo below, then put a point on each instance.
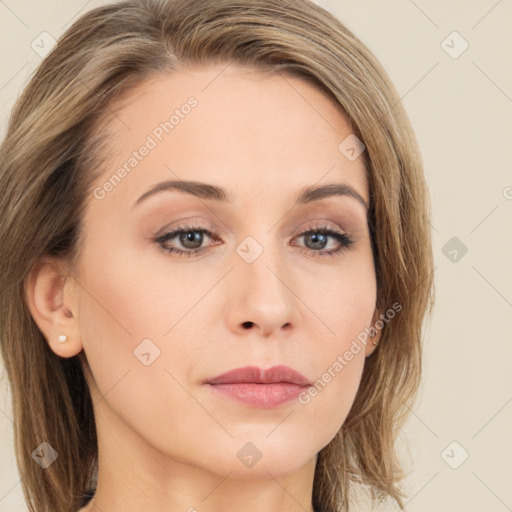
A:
(262, 293)
(261, 263)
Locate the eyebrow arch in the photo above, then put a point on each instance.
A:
(207, 191)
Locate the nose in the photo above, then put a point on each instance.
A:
(261, 298)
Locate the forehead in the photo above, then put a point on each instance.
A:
(248, 132)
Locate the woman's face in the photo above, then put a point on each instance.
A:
(155, 324)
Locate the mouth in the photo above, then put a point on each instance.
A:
(258, 387)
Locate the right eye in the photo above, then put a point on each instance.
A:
(190, 237)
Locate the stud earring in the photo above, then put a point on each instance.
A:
(62, 338)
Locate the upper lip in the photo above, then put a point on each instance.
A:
(254, 374)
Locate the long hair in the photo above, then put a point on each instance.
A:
(50, 156)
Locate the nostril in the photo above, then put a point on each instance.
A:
(247, 324)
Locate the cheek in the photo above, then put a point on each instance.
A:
(338, 361)
(136, 294)
(119, 309)
(344, 305)
(123, 310)
(343, 301)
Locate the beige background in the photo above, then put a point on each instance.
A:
(461, 110)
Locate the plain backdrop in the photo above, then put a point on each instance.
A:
(450, 62)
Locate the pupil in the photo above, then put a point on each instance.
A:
(191, 238)
(318, 238)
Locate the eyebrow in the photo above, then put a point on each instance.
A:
(213, 192)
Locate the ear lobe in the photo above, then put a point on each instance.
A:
(46, 293)
(373, 340)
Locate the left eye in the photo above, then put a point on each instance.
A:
(192, 238)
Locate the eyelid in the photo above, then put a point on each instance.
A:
(322, 224)
(187, 223)
(205, 225)
(343, 238)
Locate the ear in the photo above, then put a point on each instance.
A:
(373, 340)
(51, 298)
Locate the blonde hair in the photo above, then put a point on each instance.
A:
(53, 150)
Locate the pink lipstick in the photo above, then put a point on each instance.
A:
(258, 387)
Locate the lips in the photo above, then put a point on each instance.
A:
(255, 375)
(256, 387)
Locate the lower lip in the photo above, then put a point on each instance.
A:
(260, 395)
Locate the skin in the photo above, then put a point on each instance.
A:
(166, 441)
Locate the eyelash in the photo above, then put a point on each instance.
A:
(344, 238)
